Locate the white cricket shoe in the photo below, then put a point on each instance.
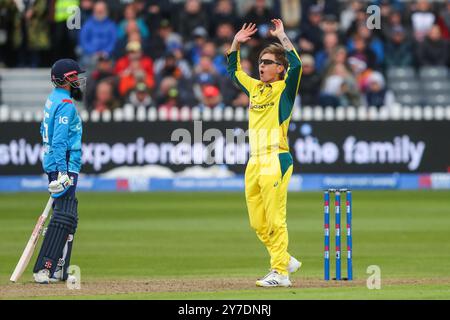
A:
(42, 276)
(57, 276)
(274, 279)
(294, 265)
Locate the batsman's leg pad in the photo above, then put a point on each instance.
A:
(63, 222)
(64, 261)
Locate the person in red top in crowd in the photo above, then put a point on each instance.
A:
(133, 68)
(211, 97)
(134, 52)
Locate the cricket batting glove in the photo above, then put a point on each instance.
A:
(59, 186)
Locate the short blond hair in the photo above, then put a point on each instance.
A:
(280, 54)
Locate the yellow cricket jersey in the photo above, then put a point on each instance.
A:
(270, 105)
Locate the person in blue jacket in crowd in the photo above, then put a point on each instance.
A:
(98, 35)
(61, 131)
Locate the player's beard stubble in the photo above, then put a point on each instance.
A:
(76, 93)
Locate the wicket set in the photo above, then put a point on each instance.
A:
(337, 223)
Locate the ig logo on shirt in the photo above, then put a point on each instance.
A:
(63, 120)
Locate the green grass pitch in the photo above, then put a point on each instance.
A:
(200, 246)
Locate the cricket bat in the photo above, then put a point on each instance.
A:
(29, 249)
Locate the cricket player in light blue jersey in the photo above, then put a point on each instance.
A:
(61, 131)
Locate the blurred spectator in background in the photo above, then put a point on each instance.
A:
(104, 69)
(260, 14)
(204, 74)
(394, 21)
(31, 33)
(98, 34)
(194, 48)
(86, 7)
(104, 97)
(329, 24)
(445, 21)
(349, 13)
(310, 82)
(133, 68)
(340, 88)
(338, 56)
(130, 17)
(219, 61)
(362, 52)
(328, 7)
(133, 35)
(223, 13)
(377, 94)
(311, 29)
(224, 33)
(422, 19)
(433, 51)
(162, 91)
(386, 11)
(168, 96)
(330, 43)
(211, 98)
(164, 39)
(115, 8)
(232, 94)
(8, 10)
(305, 45)
(134, 53)
(331, 90)
(399, 50)
(182, 87)
(373, 43)
(359, 20)
(156, 11)
(63, 40)
(171, 102)
(170, 66)
(191, 17)
(139, 7)
(361, 71)
(290, 12)
(390, 16)
(140, 96)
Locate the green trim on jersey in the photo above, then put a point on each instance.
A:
(285, 162)
(232, 68)
(292, 81)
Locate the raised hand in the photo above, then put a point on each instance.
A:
(245, 33)
(279, 33)
(279, 28)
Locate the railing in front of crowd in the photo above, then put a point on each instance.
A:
(305, 113)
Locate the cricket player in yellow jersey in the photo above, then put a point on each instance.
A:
(269, 168)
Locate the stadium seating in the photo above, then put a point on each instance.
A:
(400, 73)
(25, 88)
(433, 73)
(429, 86)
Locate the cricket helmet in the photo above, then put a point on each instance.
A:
(66, 71)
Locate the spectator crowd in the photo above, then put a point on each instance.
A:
(163, 53)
